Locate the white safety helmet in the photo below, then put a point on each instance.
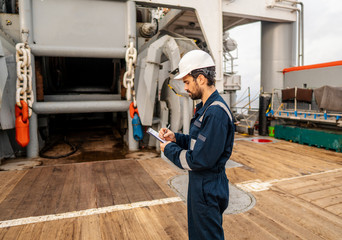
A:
(192, 60)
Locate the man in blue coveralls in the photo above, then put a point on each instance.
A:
(205, 151)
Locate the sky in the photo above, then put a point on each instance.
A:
(322, 42)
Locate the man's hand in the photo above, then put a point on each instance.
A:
(167, 135)
(163, 145)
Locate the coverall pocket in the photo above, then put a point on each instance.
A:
(196, 191)
(207, 186)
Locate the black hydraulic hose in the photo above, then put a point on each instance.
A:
(73, 149)
(157, 23)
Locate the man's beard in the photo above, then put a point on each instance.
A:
(197, 94)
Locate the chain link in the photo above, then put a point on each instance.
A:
(128, 78)
(24, 76)
(134, 99)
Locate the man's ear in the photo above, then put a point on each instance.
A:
(202, 80)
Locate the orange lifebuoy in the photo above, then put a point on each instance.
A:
(133, 110)
(22, 129)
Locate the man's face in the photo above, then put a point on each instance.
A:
(192, 87)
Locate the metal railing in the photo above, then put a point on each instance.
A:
(244, 113)
(301, 111)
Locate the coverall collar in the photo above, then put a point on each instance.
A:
(200, 108)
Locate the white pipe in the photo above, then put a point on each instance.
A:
(290, 1)
(300, 30)
(131, 22)
(67, 51)
(33, 146)
(132, 144)
(80, 107)
(25, 16)
(82, 97)
(283, 6)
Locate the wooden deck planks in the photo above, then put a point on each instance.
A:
(240, 227)
(8, 180)
(55, 229)
(174, 226)
(268, 224)
(329, 190)
(178, 212)
(115, 182)
(302, 203)
(73, 187)
(323, 190)
(152, 227)
(313, 183)
(31, 202)
(290, 160)
(275, 160)
(336, 209)
(86, 196)
(10, 233)
(314, 152)
(320, 222)
(329, 201)
(134, 179)
(140, 223)
(103, 193)
(280, 218)
(68, 229)
(30, 231)
(308, 207)
(90, 228)
(115, 226)
(134, 191)
(161, 172)
(14, 200)
(50, 198)
(147, 183)
(129, 217)
(241, 174)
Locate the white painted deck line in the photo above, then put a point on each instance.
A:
(87, 212)
(257, 185)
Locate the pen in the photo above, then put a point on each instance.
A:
(167, 128)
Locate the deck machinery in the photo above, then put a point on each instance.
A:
(100, 56)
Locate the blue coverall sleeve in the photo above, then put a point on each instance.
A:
(182, 140)
(209, 146)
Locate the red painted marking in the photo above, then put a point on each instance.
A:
(262, 140)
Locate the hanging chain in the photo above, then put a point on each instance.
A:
(24, 76)
(128, 78)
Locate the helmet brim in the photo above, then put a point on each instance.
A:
(180, 76)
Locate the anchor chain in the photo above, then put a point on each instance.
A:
(128, 78)
(24, 76)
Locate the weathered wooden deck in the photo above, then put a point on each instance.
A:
(300, 197)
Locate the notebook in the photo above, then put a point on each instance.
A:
(155, 134)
